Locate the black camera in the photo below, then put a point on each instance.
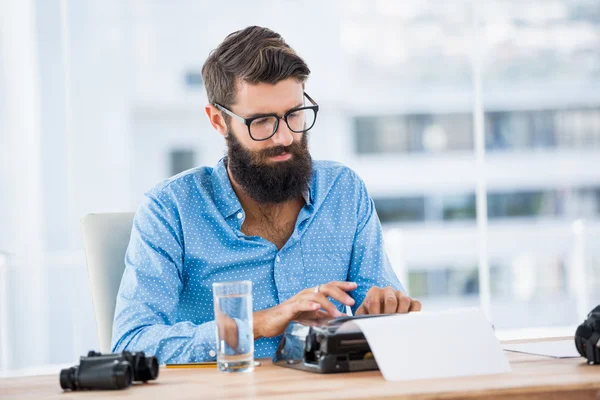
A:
(587, 337)
(109, 371)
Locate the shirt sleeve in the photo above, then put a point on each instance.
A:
(145, 313)
(369, 265)
(245, 339)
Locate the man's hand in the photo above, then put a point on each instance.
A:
(308, 304)
(387, 301)
(228, 329)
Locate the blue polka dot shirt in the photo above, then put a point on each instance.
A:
(187, 235)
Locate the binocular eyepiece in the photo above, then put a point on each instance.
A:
(109, 371)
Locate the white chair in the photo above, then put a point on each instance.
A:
(105, 238)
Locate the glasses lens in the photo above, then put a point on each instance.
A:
(301, 120)
(262, 128)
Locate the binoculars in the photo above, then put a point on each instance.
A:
(587, 337)
(109, 371)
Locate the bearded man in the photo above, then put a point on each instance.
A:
(304, 232)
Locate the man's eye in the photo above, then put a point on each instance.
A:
(294, 114)
(261, 121)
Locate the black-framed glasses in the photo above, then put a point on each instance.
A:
(263, 126)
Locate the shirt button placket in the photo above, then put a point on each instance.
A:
(281, 274)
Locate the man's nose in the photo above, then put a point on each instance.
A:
(283, 136)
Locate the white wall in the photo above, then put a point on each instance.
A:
(21, 230)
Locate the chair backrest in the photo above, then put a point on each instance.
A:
(105, 237)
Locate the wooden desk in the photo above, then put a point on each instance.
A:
(532, 377)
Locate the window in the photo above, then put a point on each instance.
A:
(520, 130)
(523, 204)
(459, 207)
(415, 133)
(451, 281)
(405, 209)
(505, 130)
(578, 128)
(575, 203)
(385, 134)
(584, 203)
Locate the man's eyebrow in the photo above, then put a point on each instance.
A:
(264, 114)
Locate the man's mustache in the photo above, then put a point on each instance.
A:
(278, 150)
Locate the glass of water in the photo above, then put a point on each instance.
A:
(233, 317)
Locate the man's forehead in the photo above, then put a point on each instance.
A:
(268, 98)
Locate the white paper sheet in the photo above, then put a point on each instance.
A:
(555, 348)
(426, 345)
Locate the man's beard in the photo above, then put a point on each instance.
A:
(270, 182)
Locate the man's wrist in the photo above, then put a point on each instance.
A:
(257, 323)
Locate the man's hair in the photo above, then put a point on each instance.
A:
(252, 55)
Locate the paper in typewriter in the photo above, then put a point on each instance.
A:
(426, 345)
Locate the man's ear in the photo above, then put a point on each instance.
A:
(216, 119)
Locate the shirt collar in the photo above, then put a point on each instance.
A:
(223, 194)
(226, 199)
(307, 196)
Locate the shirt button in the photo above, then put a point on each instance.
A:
(240, 215)
(278, 259)
(212, 353)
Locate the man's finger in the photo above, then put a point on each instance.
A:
(336, 293)
(390, 301)
(362, 310)
(373, 302)
(403, 303)
(345, 286)
(322, 314)
(306, 305)
(415, 305)
(325, 304)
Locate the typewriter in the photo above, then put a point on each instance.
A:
(325, 346)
